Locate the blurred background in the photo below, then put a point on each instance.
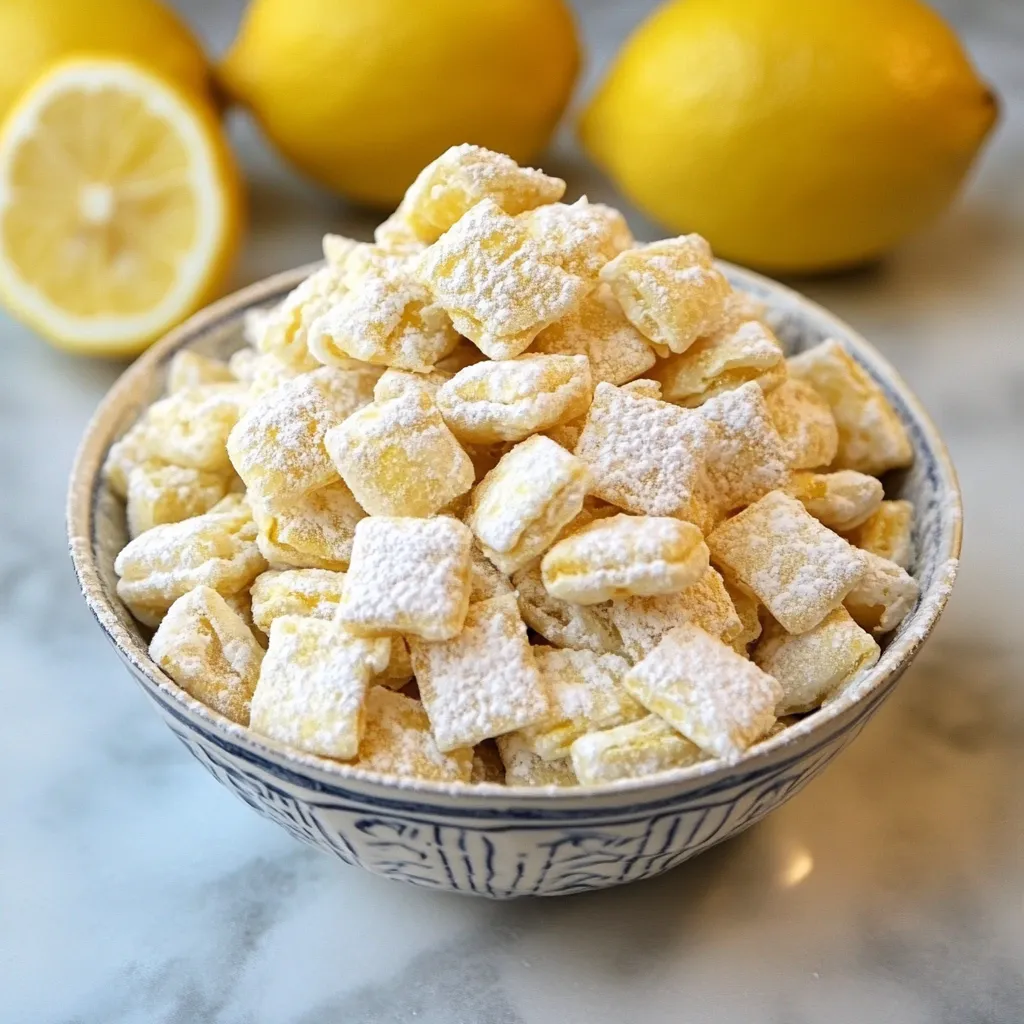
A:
(132, 888)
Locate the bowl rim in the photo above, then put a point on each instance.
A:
(855, 703)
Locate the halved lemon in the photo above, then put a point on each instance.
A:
(120, 206)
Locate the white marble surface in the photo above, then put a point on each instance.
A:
(134, 889)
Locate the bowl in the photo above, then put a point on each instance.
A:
(488, 839)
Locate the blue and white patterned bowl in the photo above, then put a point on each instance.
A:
(490, 840)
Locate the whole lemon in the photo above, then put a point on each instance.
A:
(360, 95)
(796, 135)
(35, 33)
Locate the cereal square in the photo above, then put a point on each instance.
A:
(643, 621)
(631, 751)
(746, 458)
(312, 592)
(510, 399)
(887, 532)
(462, 176)
(561, 623)
(713, 696)
(407, 576)
(883, 597)
(799, 569)
(670, 290)
(399, 458)
(841, 500)
(191, 427)
(580, 237)
(805, 423)
(312, 685)
(397, 741)
(722, 361)
(586, 694)
(646, 456)
(620, 555)
(208, 650)
(599, 330)
(482, 683)
(521, 506)
(524, 768)
(493, 281)
(871, 437)
(277, 447)
(387, 318)
(160, 493)
(314, 531)
(812, 665)
(188, 369)
(216, 550)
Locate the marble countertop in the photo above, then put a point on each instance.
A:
(133, 888)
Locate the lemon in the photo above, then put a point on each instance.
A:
(360, 95)
(119, 206)
(796, 135)
(35, 33)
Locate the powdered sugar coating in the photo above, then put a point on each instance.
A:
(521, 506)
(397, 741)
(495, 283)
(887, 532)
(191, 426)
(460, 178)
(560, 623)
(312, 685)
(746, 458)
(399, 458)
(622, 555)
(132, 449)
(634, 750)
(805, 423)
(722, 361)
(216, 550)
(814, 664)
(386, 317)
(277, 447)
(645, 456)
(286, 330)
(599, 330)
(643, 621)
(188, 369)
(580, 237)
(841, 500)
(486, 581)
(524, 768)
(883, 596)
(705, 690)
(799, 569)
(161, 493)
(407, 576)
(508, 400)
(312, 592)
(208, 650)
(871, 437)
(585, 693)
(311, 532)
(393, 383)
(748, 609)
(483, 682)
(670, 290)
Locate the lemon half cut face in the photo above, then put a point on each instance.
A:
(119, 206)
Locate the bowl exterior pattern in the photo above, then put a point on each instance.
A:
(506, 852)
(508, 846)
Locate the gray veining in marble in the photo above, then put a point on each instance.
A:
(134, 889)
